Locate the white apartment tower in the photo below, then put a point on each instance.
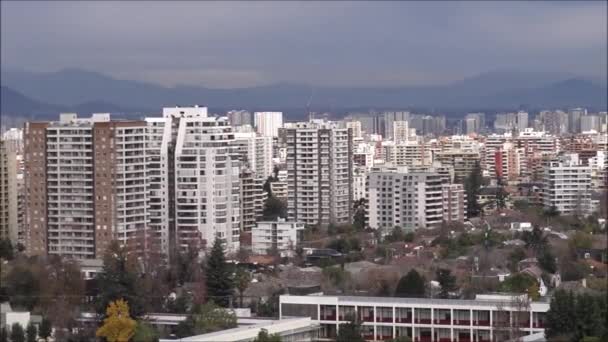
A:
(206, 176)
(268, 123)
(256, 152)
(319, 172)
(398, 197)
(567, 186)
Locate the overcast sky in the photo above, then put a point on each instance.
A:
(231, 44)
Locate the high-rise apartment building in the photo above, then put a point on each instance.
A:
(454, 202)
(8, 193)
(256, 152)
(239, 118)
(268, 123)
(390, 118)
(398, 197)
(567, 186)
(522, 120)
(407, 153)
(252, 197)
(401, 131)
(85, 185)
(319, 172)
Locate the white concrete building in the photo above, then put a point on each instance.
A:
(359, 183)
(280, 235)
(256, 151)
(8, 194)
(522, 120)
(483, 319)
(401, 131)
(319, 172)
(206, 183)
(567, 186)
(398, 197)
(268, 123)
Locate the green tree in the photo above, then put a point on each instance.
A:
(264, 336)
(350, 332)
(521, 283)
(472, 185)
(117, 280)
(359, 216)
(45, 329)
(17, 333)
(218, 278)
(31, 333)
(547, 261)
(6, 249)
(447, 282)
(516, 255)
(411, 285)
(242, 279)
(273, 209)
(206, 318)
(501, 195)
(560, 317)
(145, 333)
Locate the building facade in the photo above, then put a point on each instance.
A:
(319, 172)
(267, 124)
(280, 236)
(9, 199)
(483, 319)
(567, 186)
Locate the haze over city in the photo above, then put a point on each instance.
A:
(336, 171)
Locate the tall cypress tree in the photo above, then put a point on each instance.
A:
(410, 285)
(219, 278)
(472, 185)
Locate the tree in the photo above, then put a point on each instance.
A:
(219, 279)
(46, 329)
(118, 326)
(447, 282)
(501, 195)
(472, 185)
(575, 317)
(264, 336)
(517, 255)
(350, 332)
(17, 333)
(31, 332)
(521, 283)
(547, 261)
(6, 249)
(242, 279)
(206, 318)
(410, 285)
(273, 209)
(145, 333)
(118, 281)
(359, 216)
(23, 285)
(535, 240)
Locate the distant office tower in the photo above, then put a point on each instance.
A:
(574, 119)
(554, 122)
(390, 118)
(268, 123)
(319, 172)
(239, 118)
(8, 194)
(400, 198)
(255, 152)
(522, 120)
(454, 202)
(85, 185)
(359, 183)
(567, 186)
(505, 121)
(474, 122)
(401, 131)
(590, 123)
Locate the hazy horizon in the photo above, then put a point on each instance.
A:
(357, 44)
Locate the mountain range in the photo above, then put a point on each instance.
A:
(35, 93)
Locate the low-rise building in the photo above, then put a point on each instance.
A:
(485, 318)
(279, 235)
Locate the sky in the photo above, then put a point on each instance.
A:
(228, 44)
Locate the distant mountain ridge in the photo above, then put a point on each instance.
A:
(72, 88)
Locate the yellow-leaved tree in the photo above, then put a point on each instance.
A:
(118, 325)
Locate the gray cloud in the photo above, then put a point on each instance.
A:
(227, 44)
